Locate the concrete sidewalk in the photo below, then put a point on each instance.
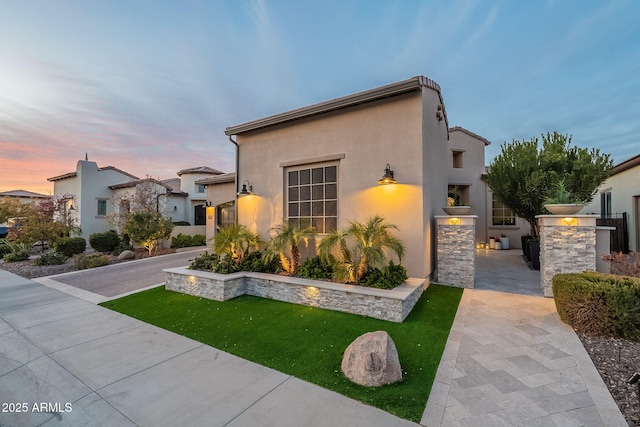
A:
(511, 361)
(83, 365)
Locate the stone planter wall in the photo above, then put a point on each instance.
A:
(567, 245)
(456, 250)
(393, 305)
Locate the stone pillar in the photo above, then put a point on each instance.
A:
(567, 245)
(456, 250)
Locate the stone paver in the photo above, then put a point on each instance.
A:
(510, 360)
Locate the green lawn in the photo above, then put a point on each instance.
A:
(307, 342)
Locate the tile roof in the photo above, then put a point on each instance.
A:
(471, 134)
(200, 169)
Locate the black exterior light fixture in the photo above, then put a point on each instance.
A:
(387, 178)
(247, 188)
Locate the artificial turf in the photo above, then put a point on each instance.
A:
(308, 342)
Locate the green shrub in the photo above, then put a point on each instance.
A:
(179, 223)
(185, 240)
(104, 242)
(204, 262)
(19, 252)
(4, 248)
(315, 268)
(70, 246)
(387, 277)
(84, 262)
(50, 258)
(257, 262)
(599, 304)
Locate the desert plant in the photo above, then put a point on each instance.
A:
(285, 244)
(601, 304)
(69, 246)
(85, 261)
(19, 252)
(360, 247)
(560, 194)
(235, 241)
(50, 258)
(104, 242)
(4, 248)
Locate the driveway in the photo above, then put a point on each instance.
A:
(118, 279)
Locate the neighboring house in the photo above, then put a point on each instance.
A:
(21, 196)
(101, 192)
(320, 165)
(221, 201)
(619, 196)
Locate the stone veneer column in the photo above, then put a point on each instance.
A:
(567, 245)
(456, 250)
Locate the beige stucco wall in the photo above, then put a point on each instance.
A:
(625, 197)
(470, 174)
(361, 140)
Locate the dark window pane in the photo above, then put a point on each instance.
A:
(305, 222)
(331, 208)
(293, 194)
(318, 175)
(305, 176)
(331, 191)
(318, 224)
(331, 174)
(317, 209)
(305, 209)
(305, 193)
(330, 224)
(294, 209)
(318, 192)
(293, 178)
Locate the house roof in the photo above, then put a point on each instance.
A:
(626, 165)
(220, 179)
(201, 170)
(471, 134)
(22, 194)
(142, 181)
(393, 89)
(73, 174)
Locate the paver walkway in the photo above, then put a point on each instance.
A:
(511, 361)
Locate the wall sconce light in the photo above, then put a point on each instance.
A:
(71, 208)
(175, 208)
(439, 113)
(387, 178)
(245, 191)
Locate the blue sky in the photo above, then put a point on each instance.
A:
(150, 86)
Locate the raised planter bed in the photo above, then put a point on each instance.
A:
(393, 305)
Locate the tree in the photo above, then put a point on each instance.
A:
(286, 244)
(144, 196)
(522, 176)
(360, 247)
(148, 229)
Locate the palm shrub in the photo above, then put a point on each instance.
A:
(235, 241)
(285, 244)
(361, 247)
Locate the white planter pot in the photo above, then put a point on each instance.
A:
(505, 242)
(566, 209)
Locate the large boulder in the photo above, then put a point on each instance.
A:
(372, 360)
(126, 255)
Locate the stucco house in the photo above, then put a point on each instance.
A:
(321, 164)
(619, 196)
(99, 192)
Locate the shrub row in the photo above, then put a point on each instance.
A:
(599, 304)
(186, 240)
(254, 261)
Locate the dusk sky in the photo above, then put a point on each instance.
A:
(150, 86)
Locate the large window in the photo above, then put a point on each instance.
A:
(502, 215)
(312, 197)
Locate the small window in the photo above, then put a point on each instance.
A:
(457, 159)
(502, 215)
(102, 207)
(200, 188)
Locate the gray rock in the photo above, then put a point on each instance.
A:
(372, 360)
(126, 255)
